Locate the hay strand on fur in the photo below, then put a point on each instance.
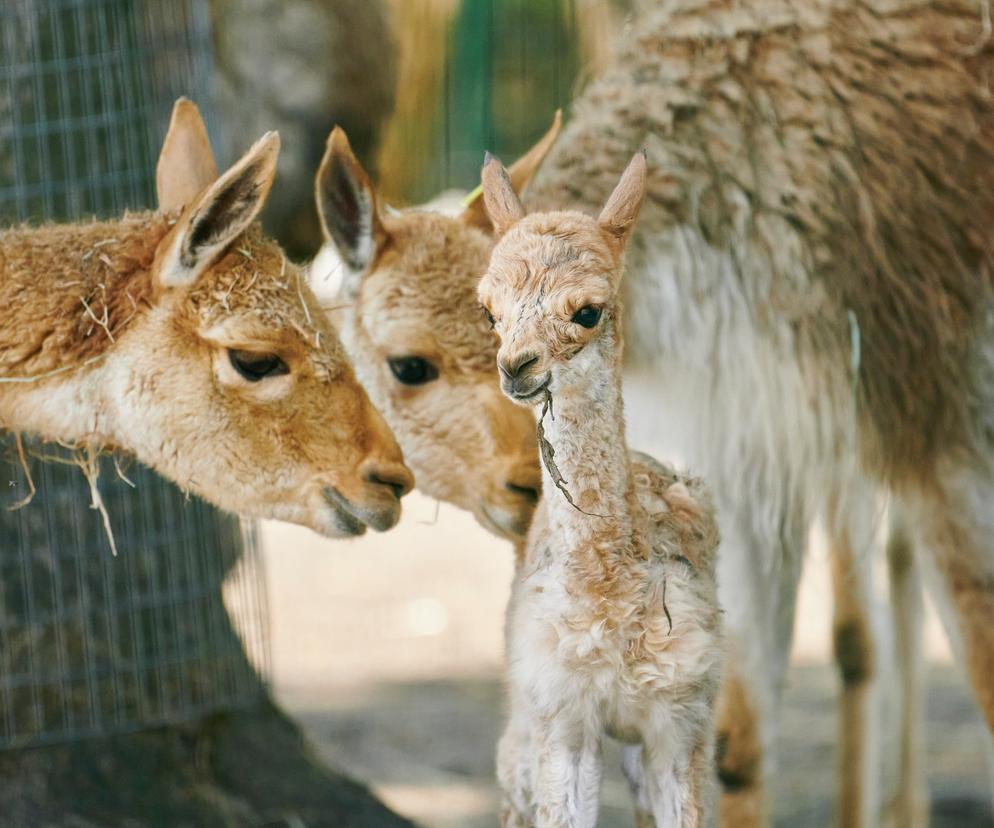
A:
(54, 372)
(88, 459)
(24, 501)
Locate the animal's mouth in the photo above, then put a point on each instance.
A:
(534, 395)
(505, 525)
(345, 519)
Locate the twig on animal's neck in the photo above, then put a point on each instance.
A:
(548, 453)
(24, 501)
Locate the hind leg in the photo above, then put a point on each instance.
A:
(956, 521)
(758, 569)
(856, 656)
(631, 766)
(909, 806)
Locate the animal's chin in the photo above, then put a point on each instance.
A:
(533, 396)
(342, 522)
(504, 524)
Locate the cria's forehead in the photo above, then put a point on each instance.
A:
(543, 264)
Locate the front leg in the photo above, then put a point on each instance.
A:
(515, 756)
(631, 766)
(568, 775)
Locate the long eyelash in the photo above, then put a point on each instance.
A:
(489, 317)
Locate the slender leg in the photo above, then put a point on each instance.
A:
(666, 783)
(858, 758)
(514, 757)
(953, 516)
(910, 803)
(678, 777)
(631, 765)
(568, 775)
(702, 781)
(758, 569)
(957, 526)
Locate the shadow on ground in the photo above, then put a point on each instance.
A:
(427, 748)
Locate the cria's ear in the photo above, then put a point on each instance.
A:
(618, 216)
(218, 216)
(502, 203)
(346, 205)
(520, 173)
(186, 163)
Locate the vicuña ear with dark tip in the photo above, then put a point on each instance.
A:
(346, 204)
(622, 209)
(520, 173)
(186, 162)
(502, 203)
(218, 217)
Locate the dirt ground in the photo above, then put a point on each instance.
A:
(388, 650)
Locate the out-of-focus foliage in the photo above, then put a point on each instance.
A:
(483, 74)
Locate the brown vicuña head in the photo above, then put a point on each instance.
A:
(421, 345)
(187, 338)
(551, 289)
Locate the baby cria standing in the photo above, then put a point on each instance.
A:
(613, 624)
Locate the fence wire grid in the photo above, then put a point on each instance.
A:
(174, 627)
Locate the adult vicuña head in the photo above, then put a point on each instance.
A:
(186, 338)
(430, 371)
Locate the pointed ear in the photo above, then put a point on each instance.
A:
(219, 216)
(186, 163)
(520, 173)
(346, 204)
(618, 216)
(502, 203)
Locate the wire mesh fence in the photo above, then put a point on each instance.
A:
(174, 626)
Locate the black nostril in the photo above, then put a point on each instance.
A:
(513, 368)
(398, 487)
(525, 491)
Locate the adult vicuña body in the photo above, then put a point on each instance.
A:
(186, 338)
(613, 624)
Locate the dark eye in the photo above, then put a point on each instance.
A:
(489, 315)
(587, 316)
(412, 370)
(255, 367)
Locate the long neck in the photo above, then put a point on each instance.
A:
(585, 430)
(68, 294)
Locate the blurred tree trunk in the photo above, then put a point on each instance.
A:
(93, 646)
(300, 67)
(234, 770)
